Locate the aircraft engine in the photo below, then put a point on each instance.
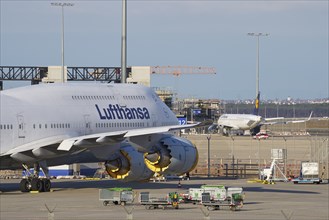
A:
(128, 166)
(223, 130)
(172, 155)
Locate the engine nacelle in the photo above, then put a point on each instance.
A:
(128, 166)
(173, 155)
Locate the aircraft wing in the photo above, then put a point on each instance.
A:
(272, 121)
(51, 145)
(300, 121)
(46, 142)
(114, 137)
(280, 120)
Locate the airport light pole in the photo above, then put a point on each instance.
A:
(124, 43)
(259, 172)
(60, 4)
(232, 152)
(257, 62)
(208, 138)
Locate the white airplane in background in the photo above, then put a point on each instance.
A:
(252, 122)
(125, 126)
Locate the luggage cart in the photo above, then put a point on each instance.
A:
(234, 203)
(194, 195)
(156, 201)
(117, 196)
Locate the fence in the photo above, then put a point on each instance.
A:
(246, 168)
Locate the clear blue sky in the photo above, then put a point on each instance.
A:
(293, 58)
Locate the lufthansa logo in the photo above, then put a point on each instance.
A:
(118, 112)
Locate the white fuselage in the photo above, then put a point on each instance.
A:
(58, 111)
(239, 121)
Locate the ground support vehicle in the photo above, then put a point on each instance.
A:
(307, 180)
(117, 196)
(236, 202)
(309, 173)
(159, 201)
(217, 193)
(233, 190)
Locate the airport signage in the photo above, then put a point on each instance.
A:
(182, 120)
(196, 111)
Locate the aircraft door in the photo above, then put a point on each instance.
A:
(21, 126)
(87, 124)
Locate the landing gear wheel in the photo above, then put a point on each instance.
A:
(25, 185)
(36, 185)
(46, 185)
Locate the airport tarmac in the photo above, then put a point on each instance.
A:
(79, 199)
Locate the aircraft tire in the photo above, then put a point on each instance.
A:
(46, 185)
(36, 185)
(24, 185)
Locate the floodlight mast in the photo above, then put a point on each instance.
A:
(124, 43)
(60, 4)
(257, 61)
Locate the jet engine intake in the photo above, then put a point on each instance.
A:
(128, 166)
(172, 155)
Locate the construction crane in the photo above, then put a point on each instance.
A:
(177, 70)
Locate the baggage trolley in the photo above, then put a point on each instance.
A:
(155, 202)
(116, 196)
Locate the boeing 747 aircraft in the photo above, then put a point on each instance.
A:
(125, 126)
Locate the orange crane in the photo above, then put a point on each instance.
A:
(177, 70)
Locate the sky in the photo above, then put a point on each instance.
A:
(293, 58)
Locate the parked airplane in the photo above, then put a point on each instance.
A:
(125, 126)
(228, 122)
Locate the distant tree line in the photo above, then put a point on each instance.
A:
(281, 110)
